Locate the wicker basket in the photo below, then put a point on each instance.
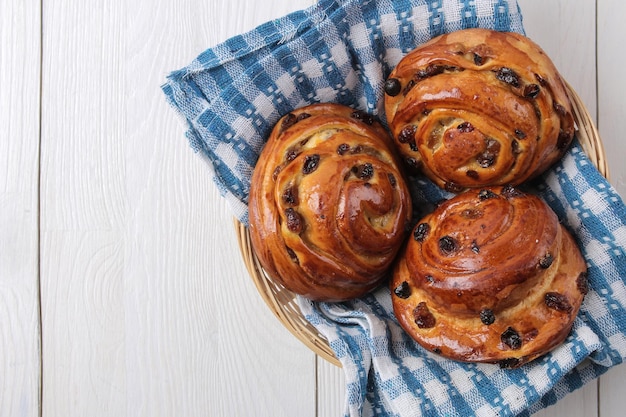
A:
(282, 301)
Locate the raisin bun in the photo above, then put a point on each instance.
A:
(489, 276)
(477, 108)
(329, 207)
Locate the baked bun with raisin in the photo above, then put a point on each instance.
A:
(329, 207)
(489, 276)
(477, 107)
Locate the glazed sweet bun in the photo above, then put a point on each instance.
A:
(478, 107)
(489, 276)
(329, 207)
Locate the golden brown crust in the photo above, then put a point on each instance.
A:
(328, 204)
(489, 276)
(477, 107)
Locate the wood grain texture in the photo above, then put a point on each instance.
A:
(331, 382)
(612, 87)
(20, 67)
(147, 311)
(611, 112)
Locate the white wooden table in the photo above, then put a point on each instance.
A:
(122, 292)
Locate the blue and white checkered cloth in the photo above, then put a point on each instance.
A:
(231, 95)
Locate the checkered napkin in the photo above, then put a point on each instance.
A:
(230, 97)
(388, 374)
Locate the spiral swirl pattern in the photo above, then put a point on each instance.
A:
(480, 279)
(329, 206)
(477, 107)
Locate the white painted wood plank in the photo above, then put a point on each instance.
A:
(82, 211)
(612, 87)
(612, 401)
(331, 389)
(611, 112)
(148, 310)
(20, 371)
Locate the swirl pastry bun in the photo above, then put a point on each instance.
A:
(329, 207)
(489, 276)
(477, 107)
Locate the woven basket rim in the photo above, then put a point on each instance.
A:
(282, 302)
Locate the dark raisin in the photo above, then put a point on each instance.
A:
(311, 163)
(515, 147)
(423, 317)
(291, 154)
(486, 159)
(357, 149)
(392, 87)
(489, 156)
(472, 213)
(407, 134)
(531, 91)
(472, 174)
(289, 120)
(403, 290)
(558, 302)
(475, 247)
(559, 108)
(563, 140)
(292, 255)
(452, 187)
(465, 127)
(408, 87)
(276, 172)
(364, 171)
(303, 116)
(290, 196)
(546, 261)
(392, 179)
(486, 195)
(437, 350)
(343, 148)
(509, 363)
(520, 134)
(507, 75)
(413, 163)
(363, 117)
(486, 316)
(511, 338)
(448, 245)
(478, 60)
(508, 191)
(582, 283)
(421, 232)
(429, 71)
(540, 80)
(294, 221)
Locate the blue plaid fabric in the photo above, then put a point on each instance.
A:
(388, 374)
(231, 95)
